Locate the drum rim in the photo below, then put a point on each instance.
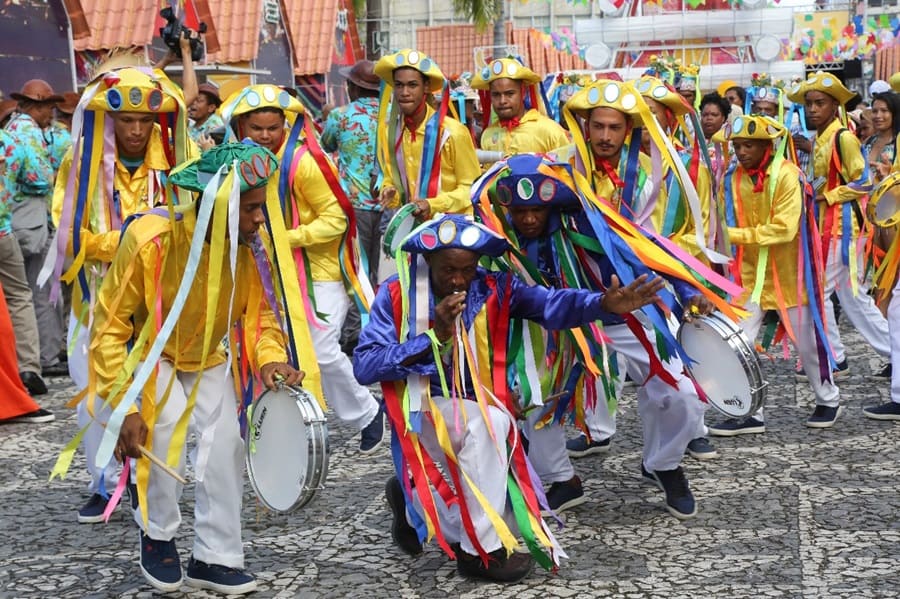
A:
(746, 354)
(314, 418)
(403, 214)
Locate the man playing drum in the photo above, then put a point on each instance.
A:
(439, 349)
(763, 197)
(426, 158)
(316, 242)
(840, 178)
(556, 233)
(517, 130)
(184, 379)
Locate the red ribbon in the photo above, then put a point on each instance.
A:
(510, 124)
(412, 122)
(758, 174)
(610, 170)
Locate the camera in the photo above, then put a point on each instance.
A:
(172, 32)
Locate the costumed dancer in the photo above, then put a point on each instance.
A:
(312, 226)
(182, 280)
(129, 130)
(840, 178)
(438, 341)
(778, 259)
(426, 157)
(607, 120)
(514, 93)
(562, 239)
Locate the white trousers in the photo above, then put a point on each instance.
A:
(78, 370)
(893, 318)
(353, 403)
(480, 459)
(671, 417)
(860, 309)
(217, 502)
(826, 393)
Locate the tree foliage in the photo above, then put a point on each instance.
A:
(481, 12)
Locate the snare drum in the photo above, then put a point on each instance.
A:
(726, 366)
(398, 228)
(884, 203)
(287, 448)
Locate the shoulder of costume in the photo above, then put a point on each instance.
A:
(146, 226)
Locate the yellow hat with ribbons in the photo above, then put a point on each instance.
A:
(412, 59)
(133, 89)
(820, 81)
(606, 93)
(504, 68)
(656, 89)
(752, 126)
(254, 97)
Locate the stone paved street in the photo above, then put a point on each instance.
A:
(795, 512)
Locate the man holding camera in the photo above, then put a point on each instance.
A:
(206, 126)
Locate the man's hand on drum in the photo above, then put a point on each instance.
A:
(275, 373)
(696, 306)
(132, 435)
(640, 292)
(445, 314)
(423, 210)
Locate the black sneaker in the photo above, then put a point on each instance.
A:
(404, 535)
(372, 434)
(824, 417)
(649, 477)
(885, 373)
(160, 564)
(701, 449)
(92, 511)
(580, 447)
(885, 411)
(33, 382)
(500, 567)
(58, 369)
(564, 495)
(221, 579)
(737, 426)
(679, 499)
(36, 417)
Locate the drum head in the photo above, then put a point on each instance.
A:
(277, 449)
(888, 206)
(400, 225)
(716, 368)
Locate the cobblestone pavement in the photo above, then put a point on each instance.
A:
(794, 512)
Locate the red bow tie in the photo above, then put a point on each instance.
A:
(759, 173)
(610, 172)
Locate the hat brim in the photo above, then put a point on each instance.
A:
(50, 99)
(347, 73)
(384, 69)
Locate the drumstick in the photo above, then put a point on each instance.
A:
(547, 401)
(165, 467)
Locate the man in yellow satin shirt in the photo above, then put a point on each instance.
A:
(517, 129)
(159, 254)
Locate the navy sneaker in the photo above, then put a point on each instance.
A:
(404, 535)
(679, 499)
(649, 477)
(372, 434)
(823, 417)
(580, 447)
(885, 373)
(886, 411)
(564, 495)
(842, 371)
(92, 511)
(160, 564)
(737, 426)
(701, 449)
(37, 417)
(221, 579)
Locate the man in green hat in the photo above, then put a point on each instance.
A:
(164, 253)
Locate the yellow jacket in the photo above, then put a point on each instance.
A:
(853, 165)
(131, 290)
(99, 240)
(321, 219)
(605, 189)
(459, 165)
(535, 133)
(683, 233)
(772, 222)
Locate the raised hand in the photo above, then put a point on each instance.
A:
(640, 292)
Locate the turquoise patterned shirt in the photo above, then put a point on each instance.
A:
(350, 131)
(29, 165)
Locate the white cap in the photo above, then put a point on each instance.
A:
(879, 86)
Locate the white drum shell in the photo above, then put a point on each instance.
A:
(286, 448)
